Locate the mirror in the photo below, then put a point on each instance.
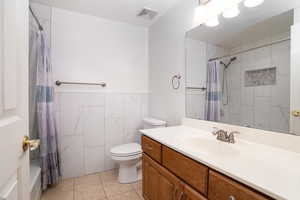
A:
(239, 72)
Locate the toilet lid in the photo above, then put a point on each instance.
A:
(127, 149)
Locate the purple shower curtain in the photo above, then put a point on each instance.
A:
(213, 95)
(45, 115)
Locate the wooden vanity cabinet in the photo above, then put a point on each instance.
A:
(191, 194)
(223, 188)
(151, 178)
(152, 148)
(169, 175)
(192, 172)
(159, 183)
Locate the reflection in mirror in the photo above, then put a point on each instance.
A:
(241, 75)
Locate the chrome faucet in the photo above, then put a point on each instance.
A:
(223, 136)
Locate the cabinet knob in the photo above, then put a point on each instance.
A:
(231, 198)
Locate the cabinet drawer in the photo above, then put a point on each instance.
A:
(223, 188)
(187, 169)
(151, 148)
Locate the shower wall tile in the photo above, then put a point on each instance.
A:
(247, 116)
(264, 107)
(262, 103)
(262, 119)
(280, 119)
(235, 77)
(263, 91)
(281, 58)
(262, 113)
(247, 96)
(91, 123)
(235, 119)
(257, 59)
(235, 101)
(281, 92)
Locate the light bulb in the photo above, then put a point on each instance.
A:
(232, 12)
(212, 22)
(253, 3)
(200, 14)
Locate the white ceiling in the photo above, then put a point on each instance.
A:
(119, 10)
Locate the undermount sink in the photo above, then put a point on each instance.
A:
(210, 146)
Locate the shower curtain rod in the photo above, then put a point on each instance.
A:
(251, 49)
(36, 19)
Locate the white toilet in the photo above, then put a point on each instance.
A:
(128, 156)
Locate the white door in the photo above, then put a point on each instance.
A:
(14, 163)
(295, 80)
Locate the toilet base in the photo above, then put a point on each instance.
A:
(129, 172)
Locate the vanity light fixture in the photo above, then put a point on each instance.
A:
(253, 3)
(200, 11)
(212, 22)
(231, 12)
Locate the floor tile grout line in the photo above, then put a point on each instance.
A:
(73, 189)
(136, 191)
(102, 183)
(101, 179)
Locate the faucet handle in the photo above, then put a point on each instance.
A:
(231, 138)
(215, 130)
(234, 132)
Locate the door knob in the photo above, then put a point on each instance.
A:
(30, 144)
(296, 113)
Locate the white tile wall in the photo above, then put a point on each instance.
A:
(195, 104)
(91, 123)
(263, 107)
(197, 54)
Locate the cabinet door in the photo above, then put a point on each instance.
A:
(170, 187)
(191, 194)
(150, 180)
(159, 183)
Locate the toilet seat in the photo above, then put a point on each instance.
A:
(126, 158)
(126, 150)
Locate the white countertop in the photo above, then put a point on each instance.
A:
(268, 169)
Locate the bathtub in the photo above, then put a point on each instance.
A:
(35, 180)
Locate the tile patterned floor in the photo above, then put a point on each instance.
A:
(101, 186)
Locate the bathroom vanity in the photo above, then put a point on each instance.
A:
(188, 163)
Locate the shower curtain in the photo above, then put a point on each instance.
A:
(213, 95)
(43, 114)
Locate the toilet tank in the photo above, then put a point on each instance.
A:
(153, 123)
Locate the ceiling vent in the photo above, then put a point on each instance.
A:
(147, 13)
